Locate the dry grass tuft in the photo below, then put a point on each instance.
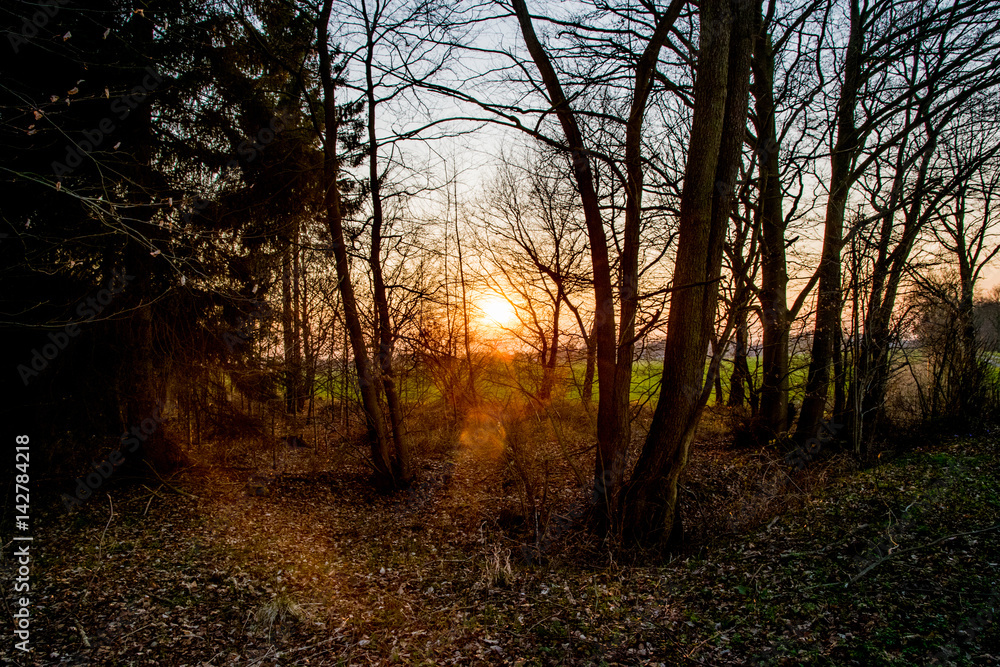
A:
(497, 571)
(281, 612)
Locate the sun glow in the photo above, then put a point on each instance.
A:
(496, 310)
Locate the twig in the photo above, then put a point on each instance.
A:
(917, 548)
(168, 485)
(261, 658)
(100, 544)
(700, 644)
(83, 635)
(134, 631)
(547, 618)
(791, 554)
(152, 494)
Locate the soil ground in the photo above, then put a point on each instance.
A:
(894, 565)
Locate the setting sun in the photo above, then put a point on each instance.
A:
(496, 310)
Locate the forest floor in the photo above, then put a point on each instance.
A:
(893, 565)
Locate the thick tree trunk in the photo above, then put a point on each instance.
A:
(650, 510)
(143, 395)
(378, 437)
(775, 323)
(145, 365)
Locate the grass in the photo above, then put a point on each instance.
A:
(501, 382)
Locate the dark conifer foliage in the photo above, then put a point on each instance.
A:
(160, 144)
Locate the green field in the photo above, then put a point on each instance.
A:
(504, 381)
(501, 382)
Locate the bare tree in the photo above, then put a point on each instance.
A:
(379, 438)
(535, 242)
(650, 502)
(614, 344)
(965, 224)
(960, 58)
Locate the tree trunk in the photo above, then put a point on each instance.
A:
(970, 375)
(609, 461)
(720, 396)
(828, 299)
(549, 360)
(840, 366)
(872, 369)
(614, 357)
(587, 392)
(287, 326)
(772, 416)
(378, 437)
(143, 387)
(297, 317)
(401, 462)
(649, 504)
(741, 369)
(309, 354)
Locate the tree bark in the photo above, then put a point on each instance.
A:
(290, 326)
(828, 299)
(869, 384)
(649, 503)
(401, 461)
(741, 369)
(378, 437)
(772, 417)
(549, 359)
(614, 353)
(606, 473)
